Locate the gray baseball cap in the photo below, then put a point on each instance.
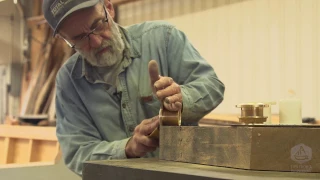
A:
(55, 11)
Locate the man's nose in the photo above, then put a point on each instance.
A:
(95, 40)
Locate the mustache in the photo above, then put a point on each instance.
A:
(105, 43)
(111, 43)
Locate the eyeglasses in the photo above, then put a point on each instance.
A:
(82, 41)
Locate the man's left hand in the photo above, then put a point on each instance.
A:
(167, 91)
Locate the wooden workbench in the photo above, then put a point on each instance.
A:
(154, 169)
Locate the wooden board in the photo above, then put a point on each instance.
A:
(224, 119)
(276, 148)
(28, 132)
(154, 169)
(26, 144)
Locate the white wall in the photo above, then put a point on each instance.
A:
(260, 49)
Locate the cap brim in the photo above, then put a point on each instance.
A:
(78, 7)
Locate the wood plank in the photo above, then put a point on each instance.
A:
(8, 148)
(30, 149)
(52, 111)
(34, 83)
(44, 95)
(257, 147)
(2, 150)
(32, 164)
(39, 38)
(195, 144)
(146, 169)
(59, 154)
(232, 118)
(38, 34)
(28, 132)
(36, 7)
(39, 79)
(24, 84)
(52, 108)
(218, 119)
(48, 101)
(18, 153)
(59, 53)
(29, 68)
(23, 144)
(44, 151)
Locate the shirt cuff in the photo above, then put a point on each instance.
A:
(120, 152)
(187, 106)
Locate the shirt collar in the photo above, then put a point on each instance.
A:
(129, 48)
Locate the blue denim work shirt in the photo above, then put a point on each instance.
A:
(95, 120)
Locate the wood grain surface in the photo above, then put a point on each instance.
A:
(154, 169)
(246, 147)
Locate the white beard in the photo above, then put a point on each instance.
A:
(113, 55)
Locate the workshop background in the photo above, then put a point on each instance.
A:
(262, 50)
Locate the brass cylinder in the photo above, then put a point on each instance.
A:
(258, 111)
(251, 109)
(169, 118)
(247, 111)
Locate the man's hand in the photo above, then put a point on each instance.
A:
(165, 88)
(140, 144)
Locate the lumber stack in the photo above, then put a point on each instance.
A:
(47, 54)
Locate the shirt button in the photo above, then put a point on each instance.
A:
(124, 105)
(131, 128)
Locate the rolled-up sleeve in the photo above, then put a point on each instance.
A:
(202, 91)
(79, 138)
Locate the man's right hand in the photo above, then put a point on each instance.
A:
(140, 144)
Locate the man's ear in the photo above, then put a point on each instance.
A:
(110, 8)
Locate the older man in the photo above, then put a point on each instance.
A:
(106, 105)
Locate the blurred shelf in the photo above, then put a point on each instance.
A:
(21, 145)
